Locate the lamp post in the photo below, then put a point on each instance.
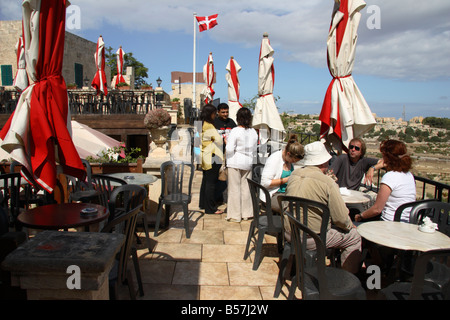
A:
(159, 93)
(86, 82)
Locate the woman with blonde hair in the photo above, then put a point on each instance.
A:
(279, 167)
(397, 186)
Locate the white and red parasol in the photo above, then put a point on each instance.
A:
(119, 77)
(99, 82)
(21, 78)
(208, 77)
(38, 132)
(232, 78)
(266, 117)
(345, 113)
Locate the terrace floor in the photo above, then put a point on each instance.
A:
(209, 265)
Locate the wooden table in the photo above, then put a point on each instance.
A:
(403, 236)
(62, 216)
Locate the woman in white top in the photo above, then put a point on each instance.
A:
(240, 152)
(278, 168)
(396, 187)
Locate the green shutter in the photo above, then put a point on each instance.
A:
(7, 75)
(79, 75)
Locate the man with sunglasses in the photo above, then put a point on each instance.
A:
(350, 168)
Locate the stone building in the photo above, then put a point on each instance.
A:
(78, 62)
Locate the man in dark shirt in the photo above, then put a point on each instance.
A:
(350, 168)
(223, 124)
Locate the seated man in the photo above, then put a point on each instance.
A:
(311, 182)
(350, 168)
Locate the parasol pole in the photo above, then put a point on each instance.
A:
(193, 72)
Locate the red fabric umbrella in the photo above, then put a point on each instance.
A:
(39, 124)
(21, 78)
(345, 113)
(208, 77)
(99, 82)
(119, 77)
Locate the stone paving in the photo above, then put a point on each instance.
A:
(209, 265)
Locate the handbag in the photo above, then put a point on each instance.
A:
(223, 173)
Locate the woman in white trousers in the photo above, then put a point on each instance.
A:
(240, 152)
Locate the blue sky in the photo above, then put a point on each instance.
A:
(402, 62)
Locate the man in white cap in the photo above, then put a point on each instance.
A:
(311, 182)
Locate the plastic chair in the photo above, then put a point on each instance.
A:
(10, 196)
(105, 185)
(437, 274)
(82, 190)
(126, 201)
(256, 172)
(418, 289)
(299, 208)
(408, 205)
(319, 281)
(263, 221)
(175, 190)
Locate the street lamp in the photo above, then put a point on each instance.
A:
(158, 81)
(86, 81)
(159, 93)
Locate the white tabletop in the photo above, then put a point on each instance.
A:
(403, 236)
(141, 179)
(354, 196)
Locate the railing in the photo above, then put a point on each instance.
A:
(88, 102)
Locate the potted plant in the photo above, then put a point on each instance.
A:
(71, 86)
(157, 121)
(146, 86)
(123, 86)
(175, 103)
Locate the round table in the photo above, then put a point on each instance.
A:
(403, 236)
(62, 216)
(141, 179)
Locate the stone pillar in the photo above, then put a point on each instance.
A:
(56, 265)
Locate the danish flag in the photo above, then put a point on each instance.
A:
(208, 22)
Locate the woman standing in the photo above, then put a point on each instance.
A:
(212, 158)
(279, 167)
(240, 152)
(396, 187)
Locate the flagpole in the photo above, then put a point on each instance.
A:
(194, 105)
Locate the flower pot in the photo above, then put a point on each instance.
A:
(159, 135)
(175, 105)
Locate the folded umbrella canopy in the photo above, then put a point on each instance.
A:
(21, 78)
(119, 77)
(266, 117)
(208, 77)
(99, 82)
(38, 130)
(232, 78)
(90, 142)
(345, 113)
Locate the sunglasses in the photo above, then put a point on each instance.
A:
(355, 147)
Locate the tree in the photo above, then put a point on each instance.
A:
(140, 71)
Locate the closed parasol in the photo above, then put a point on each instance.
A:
(266, 117)
(345, 113)
(99, 82)
(37, 133)
(21, 78)
(208, 77)
(119, 77)
(232, 78)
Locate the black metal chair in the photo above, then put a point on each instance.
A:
(264, 222)
(126, 202)
(298, 207)
(10, 196)
(175, 190)
(319, 281)
(419, 289)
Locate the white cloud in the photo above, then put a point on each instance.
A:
(412, 43)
